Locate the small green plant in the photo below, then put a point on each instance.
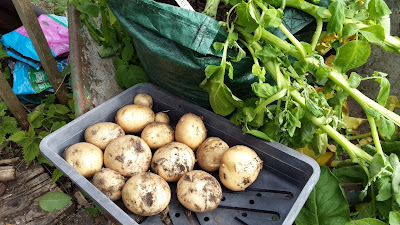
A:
(8, 125)
(44, 119)
(57, 7)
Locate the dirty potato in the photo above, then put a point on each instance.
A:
(101, 134)
(190, 130)
(143, 99)
(209, 153)
(173, 160)
(86, 158)
(162, 117)
(157, 134)
(199, 191)
(133, 118)
(128, 155)
(146, 194)
(240, 166)
(110, 182)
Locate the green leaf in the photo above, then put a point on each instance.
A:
(348, 30)
(258, 71)
(259, 134)
(134, 75)
(31, 152)
(366, 221)
(350, 174)
(264, 90)
(57, 174)
(244, 17)
(354, 80)
(387, 128)
(372, 112)
(326, 204)
(9, 125)
(384, 187)
(394, 218)
(377, 165)
(54, 201)
(396, 184)
(374, 34)
(62, 109)
(218, 46)
(272, 18)
(127, 51)
(384, 91)
(106, 51)
(222, 100)
(378, 9)
(31, 132)
(337, 10)
(319, 143)
(93, 211)
(58, 124)
(314, 108)
(352, 55)
(43, 160)
(88, 7)
(267, 53)
(18, 136)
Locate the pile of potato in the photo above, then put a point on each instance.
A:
(125, 149)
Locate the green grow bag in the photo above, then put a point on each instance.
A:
(175, 45)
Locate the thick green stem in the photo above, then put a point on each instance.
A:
(364, 101)
(375, 136)
(265, 102)
(317, 34)
(294, 40)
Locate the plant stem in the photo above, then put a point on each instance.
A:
(317, 34)
(375, 136)
(294, 40)
(356, 137)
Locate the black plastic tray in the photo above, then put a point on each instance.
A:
(276, 197)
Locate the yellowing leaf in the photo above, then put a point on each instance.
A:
(323, 159)
(332, 148)
(392, 103)
(353, 122)
(324, 43)
(329, 61)
(307, 151)
(364, 141)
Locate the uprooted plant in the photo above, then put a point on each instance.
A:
(298, 109)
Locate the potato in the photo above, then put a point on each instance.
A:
(86, 158)
(173, 160)
(110, 182)
(157, 134)
(143, 99)
(209, 153)
(239, 167)
(162, 117)
(146, 194)
(100, 134)
(128, 155)
(190, 130)
(133, 118)
(199, 191)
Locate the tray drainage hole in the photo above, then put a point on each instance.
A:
(258, 194)
(177, 214)
(288, 197)
(251, 202)
(275, 218)
(244, 214)
(206, 219)
(223, 199)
